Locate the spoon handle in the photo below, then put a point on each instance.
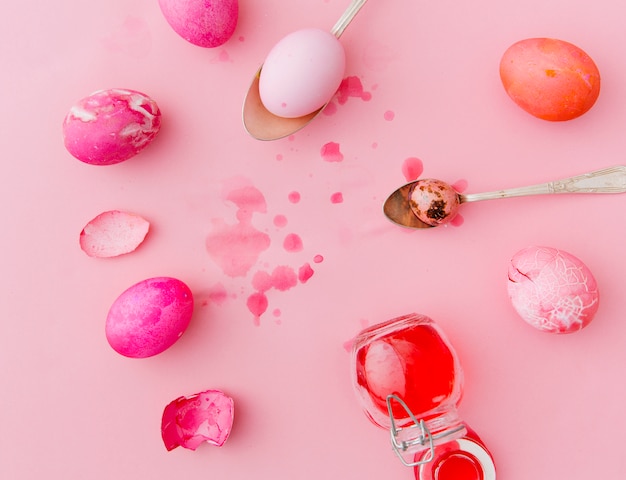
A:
(347, 17)
(607, 180)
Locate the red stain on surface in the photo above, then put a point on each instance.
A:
(293, 243)
(330, 152)
(352, 87)
(460, 185)
(280, 221)
(318, 259)
(257, 304)
(294, 197)
(389, 115)
(412, 168)
(336, 197)
(305, 272)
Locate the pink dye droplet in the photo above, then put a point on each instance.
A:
(351, 87)
(293, 243)
(217, 294)
(318, 259)
(262, 281)
(330, 152)
(336, 197)
(280, 221)
(330, 109)
(279, 156)
(294, 197)
(305, 272)
(284, 278)
(460, 185)
(257, 304)
(457, 221)
(412, 168)
(389, 115)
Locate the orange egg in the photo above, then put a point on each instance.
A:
(550, 79)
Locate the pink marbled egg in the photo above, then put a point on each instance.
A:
(552, 290)
(206, 24)
(434, 202)
(149, 317)
(110, 126)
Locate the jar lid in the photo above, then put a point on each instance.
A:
(466, 458)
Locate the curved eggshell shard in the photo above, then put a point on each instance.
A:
(434, 202)
(202, 23)
(111, 126)
(113, 233)
(549, 78)
(301, 73)
(149, 317)
(204, 417)
(552, 290)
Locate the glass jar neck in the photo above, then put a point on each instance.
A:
(422, 435)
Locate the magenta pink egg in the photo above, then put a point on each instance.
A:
(205, 24)
(149, 317)
(434, 202)
(110, 126)
(552, 290)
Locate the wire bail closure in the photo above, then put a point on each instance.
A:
(423, 441)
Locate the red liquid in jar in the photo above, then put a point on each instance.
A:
(413, 363)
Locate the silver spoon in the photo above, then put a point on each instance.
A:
(401, 209)
(264, 125)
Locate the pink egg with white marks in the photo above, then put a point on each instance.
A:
(203, 23)
(552, 290)
(149, 317)
(110, 126)
(301, 73)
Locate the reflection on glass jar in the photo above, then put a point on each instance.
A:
(409, 380)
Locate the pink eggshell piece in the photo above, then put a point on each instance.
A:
(110, 126)
(113, 233)
(203, 23)
(204, 417)
(301, 73)
(550, 78)
(552, 290)
(149, 317)
(434, 202)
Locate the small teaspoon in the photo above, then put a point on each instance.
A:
(398, 209)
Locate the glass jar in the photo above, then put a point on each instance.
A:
(409, 380)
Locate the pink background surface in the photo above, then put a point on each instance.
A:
(547, 406)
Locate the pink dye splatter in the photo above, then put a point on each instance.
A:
(336, 197)
(257, 304)
(217, 294)
(351, 87)
(460, 185)
(318, 259)
(276, 312)
(279, 156)
(280, 221)
(457, 221)
(389, 115)
(236, 248)
(284, 278)
(294, 197)
(412, 168)
(262, 281)
(375, 145)
(293, 243)
(330, 152)
(305, 272)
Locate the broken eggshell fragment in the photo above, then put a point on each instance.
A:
(204, 417)
(113, 233)
(552, 290)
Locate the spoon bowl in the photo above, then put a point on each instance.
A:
(262, 124)
(400, 207)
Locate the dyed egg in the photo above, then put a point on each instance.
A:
(302, 73)
(434, 202)
(110, 126)
(206, 24)
(552, 290)
(149, 317)
(550, 79)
